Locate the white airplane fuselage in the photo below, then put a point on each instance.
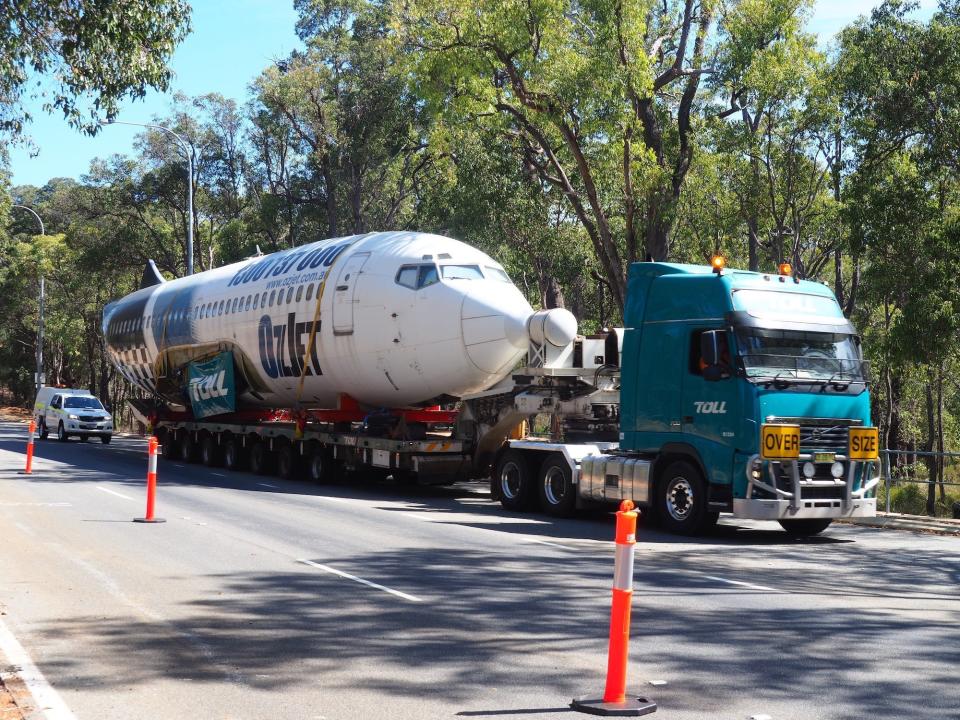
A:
(404, 319)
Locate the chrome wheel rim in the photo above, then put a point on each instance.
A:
(680, 498)
(510, 480)
(554, 485)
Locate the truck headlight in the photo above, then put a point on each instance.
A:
(73, 417)
(837, 469)
(809, 469)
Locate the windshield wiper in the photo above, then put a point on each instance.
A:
(777, 382)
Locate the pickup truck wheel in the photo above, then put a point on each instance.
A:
(42, 424)
(288, 462)
(558, 494)
(234, 457)
(105, 439)
(61, 433)
(682, 499)
(514, 481)
(322, 468)
(261, 459)
(806, 528)
(210, 452)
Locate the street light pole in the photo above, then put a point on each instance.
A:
(187, 148)
(39, 382)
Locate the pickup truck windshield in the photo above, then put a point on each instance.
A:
(790, 354)
(78, 401)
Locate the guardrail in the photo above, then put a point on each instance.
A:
(899, 474)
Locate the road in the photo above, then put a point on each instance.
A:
(265, 598)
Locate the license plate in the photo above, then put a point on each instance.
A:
(779, 442)
(88, 427)
(823, 457)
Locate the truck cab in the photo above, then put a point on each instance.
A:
(748, 393)
(69, 412)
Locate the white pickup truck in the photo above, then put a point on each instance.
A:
(67, 412)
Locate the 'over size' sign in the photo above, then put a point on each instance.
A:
(779, 442)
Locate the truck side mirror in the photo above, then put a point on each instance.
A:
(710, 347)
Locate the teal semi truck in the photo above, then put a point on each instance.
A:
(727, 391)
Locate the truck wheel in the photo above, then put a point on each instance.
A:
(682, 500)
(806, 528)
(288, 462)
(170, 449)
(514, 481)
(61, 433)
(188, 448)
(105, 439)
(322, 468)
(233, 455)
(558, 494)
(210, 452)
(261, 459)
(42, 424)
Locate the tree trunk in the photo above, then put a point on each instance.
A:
(940, 450)
(931, 444)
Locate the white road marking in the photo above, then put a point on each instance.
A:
(348, 576)
(114, 492)
(760, 717)
(48, 700)
(35, 504)
(218, 474)
(762, 588)
(547, 542)
(266, 485)
(658, 683)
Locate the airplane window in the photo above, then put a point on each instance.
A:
(462, 272)
(236, 301)
(309, 292)
(246, 305)
(220, 309)
(289, 295)
(272, 294)
(407, 276)
(299, 293)
(428, 276)
(256, 300)
(496, 273)
(263, 301)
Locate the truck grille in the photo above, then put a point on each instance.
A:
(89, 418)
(821, 434)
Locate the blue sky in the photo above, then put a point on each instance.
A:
(231, 42)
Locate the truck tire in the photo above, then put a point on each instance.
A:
(170, 449)
(322, 467)
(682, 500)
(514, 481)
(105, 439)
(44, 433)
(62, 433)
(234, 457)
(188, 448)
(288, 462)
(210, 454)
(806, 528)
(261, 459)
(558, 494)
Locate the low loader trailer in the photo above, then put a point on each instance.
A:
(726, 391)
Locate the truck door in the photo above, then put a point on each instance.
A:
(710, 408)
(50, 414)
(345, 293)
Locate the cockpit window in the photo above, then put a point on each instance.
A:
(462, 272)
(496, 273)
(417, 276)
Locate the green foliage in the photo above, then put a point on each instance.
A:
(85, 51)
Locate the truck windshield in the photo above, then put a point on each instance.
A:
(788, 354)
(78, 401)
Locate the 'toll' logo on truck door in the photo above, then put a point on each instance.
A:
(714, 407)
(779, 442)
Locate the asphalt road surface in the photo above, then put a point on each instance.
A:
(265, 598)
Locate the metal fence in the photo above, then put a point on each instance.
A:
(898, 474)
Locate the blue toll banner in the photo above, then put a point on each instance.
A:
(210, 386)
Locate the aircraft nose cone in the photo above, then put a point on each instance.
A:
(494, 322)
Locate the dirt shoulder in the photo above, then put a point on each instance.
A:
(14, 414)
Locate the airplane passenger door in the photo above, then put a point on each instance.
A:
(345, 293)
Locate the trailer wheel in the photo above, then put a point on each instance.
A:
(233, 455)
(261, 459)
(288, 462)
(170, 448)
(682, 500)
(558, 494)
(806, 528)
(210, 452)
(322, 467)
(188, 448)
(514, 481)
